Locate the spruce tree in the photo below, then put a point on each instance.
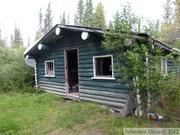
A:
(63, 19)
(88, 19)
(39, 32)
(151, 28)
(116, 22)
(60, 19)
(16, 39)
(167, 26)
(168, 11)
(99, 17)
(177, 22)
(68, 22)
(29, 41)
(78, 17)
(48, 19)
(2, 41)
(128, 20)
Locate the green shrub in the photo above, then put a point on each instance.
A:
(15, 75)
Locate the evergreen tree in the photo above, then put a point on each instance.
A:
(48, 19)
(16, 39)
(78, 17)
(139, 24)
(39, 32)
(99, 20)
(151, 28)
(126, 21)
(168, 11)
(167, 28)
(63, 19)
(157, 29)
(110, 25)
(88, 19)
(2, 41)
(29, 41)
(60, 19)
(68, 22)
(176, 26)
(116, 22)
(12, 40)
(177, 21)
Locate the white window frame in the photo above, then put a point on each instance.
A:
(53, 70)
(103, 76)
(164, 66)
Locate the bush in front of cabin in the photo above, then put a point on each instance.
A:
(15, 75)
(140, 64)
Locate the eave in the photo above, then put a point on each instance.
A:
(68, 30)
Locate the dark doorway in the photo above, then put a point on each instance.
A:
(71, 67)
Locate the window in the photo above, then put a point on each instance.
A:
(164, 66)
(103, 67)
(49, 68)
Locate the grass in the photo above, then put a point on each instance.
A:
(47, 114)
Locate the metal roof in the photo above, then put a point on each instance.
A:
(50, 38)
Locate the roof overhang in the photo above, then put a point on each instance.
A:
(51, 37)
(68, 30)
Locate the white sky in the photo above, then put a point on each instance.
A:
(25, 12)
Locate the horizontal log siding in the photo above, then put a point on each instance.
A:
(107, 92)
(172, 67)
(55, 84)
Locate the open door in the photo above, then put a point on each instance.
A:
(71, 71)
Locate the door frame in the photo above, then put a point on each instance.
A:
(66, 68)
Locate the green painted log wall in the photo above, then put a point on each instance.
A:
(107, 92)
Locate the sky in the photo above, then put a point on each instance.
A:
(24, 13)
